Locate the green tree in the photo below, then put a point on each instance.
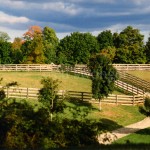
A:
(105, 39)
(110, 52)
(147, 50)
(103, 76)
(16, 53)
(50, 44)
(4, 37)
(5, 52)
(146, 108)
(130, 46)
(35, 52)
(77, 48)
(48, 95)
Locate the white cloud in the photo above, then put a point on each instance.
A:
(13, 4)
(12, 32)
(5, 18)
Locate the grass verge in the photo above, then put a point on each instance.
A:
(140, 137)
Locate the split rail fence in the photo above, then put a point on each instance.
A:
(32, 93)
(76, 68)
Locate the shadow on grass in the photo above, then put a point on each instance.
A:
(110, 147)
(78, 102)
(84, 107)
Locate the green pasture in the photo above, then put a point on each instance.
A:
(32, 80)
(143, 74)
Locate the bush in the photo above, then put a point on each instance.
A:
(146, 108)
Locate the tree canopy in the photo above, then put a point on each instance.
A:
(103, 76)
(77, 48)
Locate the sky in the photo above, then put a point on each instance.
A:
(67, 16)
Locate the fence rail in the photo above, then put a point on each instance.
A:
(132, 66)
(76, 68)
(29, 67)
(32, 93)
(129, 88)
(135, 81)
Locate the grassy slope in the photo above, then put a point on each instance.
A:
(32, 79)
(140, 137)
(143, 74)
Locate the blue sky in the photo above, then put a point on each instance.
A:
(66, 16)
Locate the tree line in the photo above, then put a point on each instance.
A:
(41, 45)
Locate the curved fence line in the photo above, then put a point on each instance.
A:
(32, 93)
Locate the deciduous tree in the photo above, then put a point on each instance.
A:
(77, 48)
(50, 44)
(130, 46)
(103, 76)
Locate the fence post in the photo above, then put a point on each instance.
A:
(133, 100)
(82, 95)
(116, 99)
(27, 92)
(7, 92)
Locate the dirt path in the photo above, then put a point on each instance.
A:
(109, 137)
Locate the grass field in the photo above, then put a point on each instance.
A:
(143, 74)
(140, 137)
(32, 79)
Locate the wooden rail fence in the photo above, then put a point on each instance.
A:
(77, 68)
(32, 93)
(29, 67)
(132, 66)
(135, 81)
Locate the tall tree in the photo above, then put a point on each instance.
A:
(130, 46)
(16, 53)
(105, 39)
(103, 76)
(32, 31)
(33, 48)
(5, 55)
(50, 44)
(36, 53)
(147, 50)
(77, 48)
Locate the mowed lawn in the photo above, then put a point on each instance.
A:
(32, 79)
(143, 74)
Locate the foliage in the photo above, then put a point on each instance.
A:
(36, 50)
(146, 108)
(50, 42)
(5, 55)
(103, 76)
(147, 50)
(77, 48)
(130, 46)
(4, 37)
(48, 95)
(109, 52)
(105, 39)
(32, 31)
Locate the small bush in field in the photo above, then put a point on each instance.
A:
(146, 108)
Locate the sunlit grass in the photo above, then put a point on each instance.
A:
(32, 79)
(143, 74)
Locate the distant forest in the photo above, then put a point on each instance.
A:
(42, 46)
